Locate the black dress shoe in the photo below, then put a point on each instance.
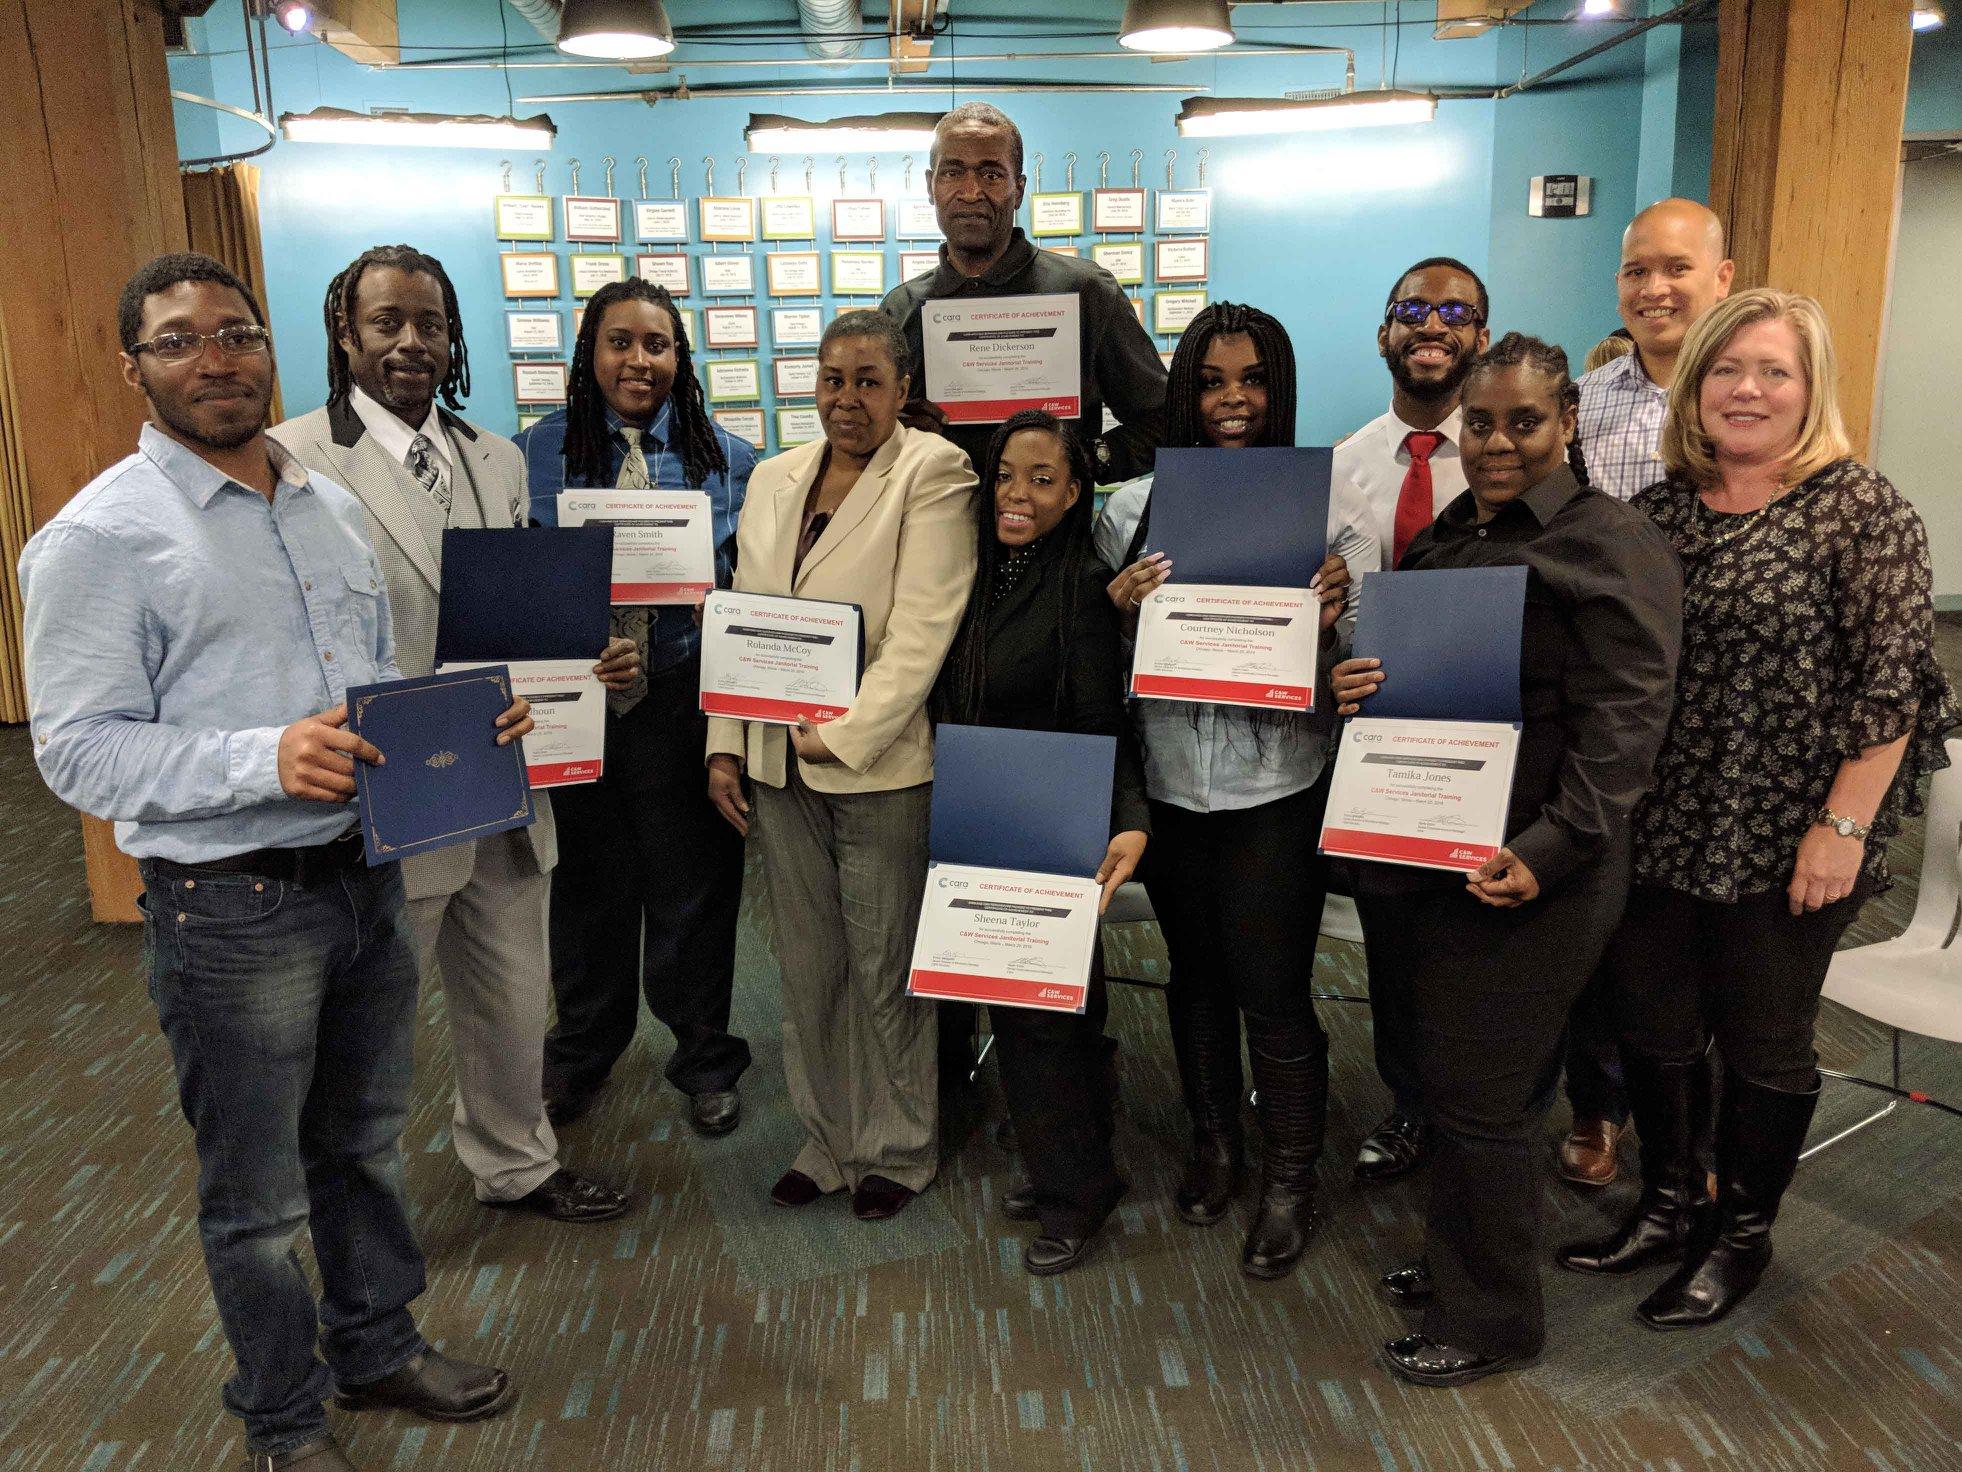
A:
(1421, 1359)
(565, 1197)
(715, 1113)
(322, 1454)
(1409, 1286)
(433, 1385)
(564, 1107)
(877, 1199)
(794, 1188)
(1394, 1148)
(1047, 1256)
(1019, 1205)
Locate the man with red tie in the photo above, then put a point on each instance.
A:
(1406, 465)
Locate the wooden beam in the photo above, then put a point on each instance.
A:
(1806, 164)
(1458, 19)
(364, 29)
(909, 39)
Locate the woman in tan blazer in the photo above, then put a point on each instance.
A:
(878, 515)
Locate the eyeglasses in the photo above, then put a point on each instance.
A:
(1414, 311)
(182, 347)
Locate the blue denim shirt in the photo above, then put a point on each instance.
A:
(671, 633)
(177, 622)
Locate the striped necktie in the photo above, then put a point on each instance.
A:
(428, 471)
(632, 621)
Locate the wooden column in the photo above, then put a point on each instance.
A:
(1805, 171)
(93, 194)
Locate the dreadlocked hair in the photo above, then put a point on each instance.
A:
(961, 693)
(1224, 319)
(344, 291)
(1517, 350)
(691, 433)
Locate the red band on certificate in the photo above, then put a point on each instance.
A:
(757, 708)
(958, 987)
(658, 592)
(559, 774)
(1436, 853)
(994, 411)
(1231, 692)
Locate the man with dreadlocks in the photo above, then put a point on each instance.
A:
(394, 346)
(650, 878)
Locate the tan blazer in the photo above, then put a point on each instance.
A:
(902, 547)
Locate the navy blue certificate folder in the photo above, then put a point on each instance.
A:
(446, 779)
(524, 593)
(1448, 639)
(1037, 801)
(1255, 517)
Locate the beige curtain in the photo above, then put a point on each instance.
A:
(221, 212)
(16, 526)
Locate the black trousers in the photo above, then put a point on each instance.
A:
(1593, 1053)
(1057, 1076)
(1489, 993)
(645, 897)
(1749, 974)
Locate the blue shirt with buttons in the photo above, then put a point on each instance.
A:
(177, 622)
(671, 633)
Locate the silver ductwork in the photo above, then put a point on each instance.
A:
(543, 14)
(831, 27)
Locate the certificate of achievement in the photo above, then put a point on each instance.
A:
(730, 275)
(1226, 645)
(1432, 794)
(663, 546)
(591, 272)
(987, 357)
(1005, 937)
(733, 379)
(538, 383)
(529, 274)
(567, 743)
(917, 263)
(663, 220)
(745, 424)
(793, 273)
(534, 332)
(524, 217)
(669, 270)
(788, 217)
(797, 427)
(728, 218)
(917, 221)
(858, 272)
(779, 660)
(796, 378)
(593, 218)
(1055, 214)
(1185, 209)
(796, 327)
(858, 219)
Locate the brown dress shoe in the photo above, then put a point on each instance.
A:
(1587, 1155)
(323, 1454)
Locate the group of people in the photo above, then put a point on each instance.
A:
(1728, 689)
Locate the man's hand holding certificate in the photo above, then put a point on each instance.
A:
(780, 660)
(663, 544)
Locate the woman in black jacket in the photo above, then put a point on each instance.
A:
(1038, 650)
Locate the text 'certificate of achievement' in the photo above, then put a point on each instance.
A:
(1006, 938)
(1228, 645)
(780, 660)
(567, 743)
(988, 357)
(663, 548)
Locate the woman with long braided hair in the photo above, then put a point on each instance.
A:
(1236, 800)
(643, 844)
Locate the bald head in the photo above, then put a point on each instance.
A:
(1684, 219)
(1672, 271)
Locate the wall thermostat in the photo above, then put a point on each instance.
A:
(1560, 195)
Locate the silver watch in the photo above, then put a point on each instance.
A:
(1843, 826)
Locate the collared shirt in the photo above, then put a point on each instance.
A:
(394, 436)
(671, 633)
(1374, 460)
(177, 622)
(1211, 758)
(1621, 414)
(1120, 363)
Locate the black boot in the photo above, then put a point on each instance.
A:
(1661, 1097)
(1206, 1042)
(1760, 1132)
(1290, 1071)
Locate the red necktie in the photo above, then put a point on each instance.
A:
(1414, 500)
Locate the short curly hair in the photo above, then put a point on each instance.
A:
(170, 270)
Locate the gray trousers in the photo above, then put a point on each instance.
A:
(846, 874)
(489, 940)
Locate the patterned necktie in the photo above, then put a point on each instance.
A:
(428, 471)
(1414, 500)
(632, 621)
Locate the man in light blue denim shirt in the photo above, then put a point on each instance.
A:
(194, 618)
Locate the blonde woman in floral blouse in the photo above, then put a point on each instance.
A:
(1809, 710)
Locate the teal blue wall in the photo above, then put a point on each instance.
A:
(1935, 83)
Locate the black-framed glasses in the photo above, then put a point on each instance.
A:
(182, 347)
(1414, 311)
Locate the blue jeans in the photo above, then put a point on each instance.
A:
(290, 1013)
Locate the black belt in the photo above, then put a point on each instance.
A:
(305, 867)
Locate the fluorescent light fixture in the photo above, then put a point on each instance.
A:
(1175, 25)
(417, 129)
(615, 30)
(1929, 17)
(890, 132)
(1596, 9)
(1227, 117)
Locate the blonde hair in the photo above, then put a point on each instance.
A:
(1687, 450)
(1613, 346)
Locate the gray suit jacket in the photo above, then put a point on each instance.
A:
(488, 489)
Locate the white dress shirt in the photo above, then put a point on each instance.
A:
(395, 437)
(1374, 461)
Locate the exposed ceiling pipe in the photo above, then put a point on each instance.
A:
(831, 27)
(543, 14)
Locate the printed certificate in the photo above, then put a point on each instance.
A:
(1055, 214)
(779, 660)
(728, 275)
(917, 220)
(1222, 645)
(663, 545)
(1431, 794)
(529, 273)
(664, 268)
(592, 218)
(534, 332)
(591, 272)
(987, 357)
(788, 216)
(1005, 937)
(524, 217)
(661, 220)
(567, 743)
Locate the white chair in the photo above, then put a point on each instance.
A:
(1913, 983)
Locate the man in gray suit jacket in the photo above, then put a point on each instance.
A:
(476, 909)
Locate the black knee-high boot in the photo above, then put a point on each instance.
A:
(1662, 1098)
(1290, 1071)
(1760, 1131)
(1206, 1042)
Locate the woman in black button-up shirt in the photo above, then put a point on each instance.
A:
(1496, 959)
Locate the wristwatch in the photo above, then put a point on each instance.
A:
(1844, 827)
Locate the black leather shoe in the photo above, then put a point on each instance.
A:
(565, 1197)
(1660, 1097)
(433, 1385)
(1019, 1205)
(568, 1106)
(794, 1188)
(715, 1113)
(1047, 1256)
(1409, 1286)
(322, 1454)
(876, 1199)
(1394, 1148)
(1421, 1359)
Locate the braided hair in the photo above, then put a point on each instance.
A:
(691, 433)
(961, 693)
(1517, 350)
(1224, 319)
(344, 291)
